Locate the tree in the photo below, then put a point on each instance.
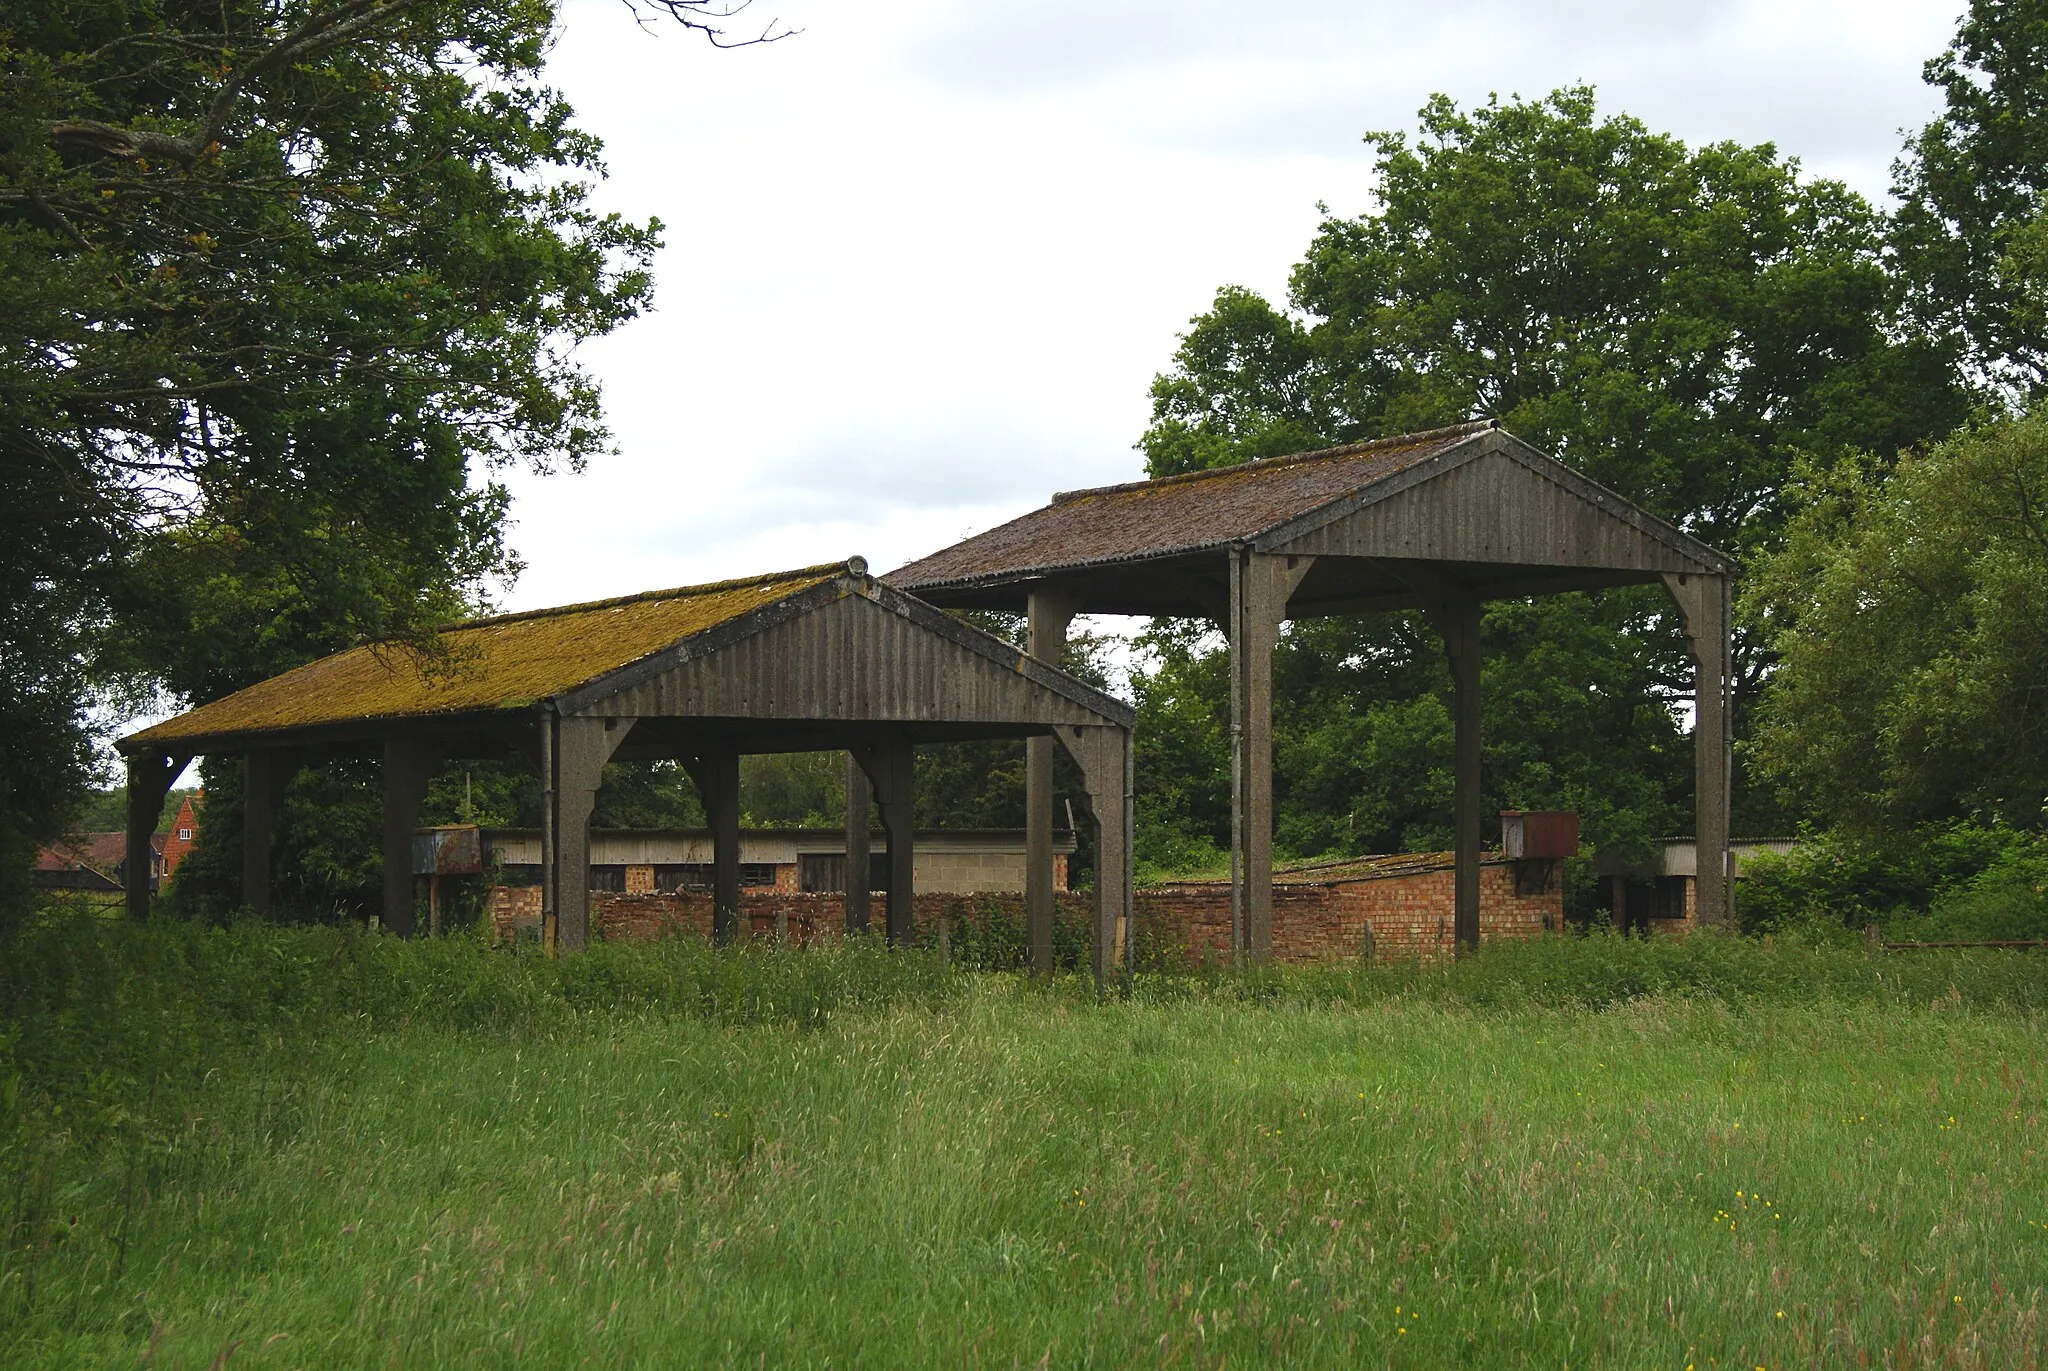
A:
(1910, 614)
(1363, 732)
(1679, 324)
(281, 286)
(1969, 235)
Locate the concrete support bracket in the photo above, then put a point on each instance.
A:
(1051, 610)
(717, 775)
(1260, 586)
(265, 773)
(860, 817)
(1103, 753)
(578, 747)
(1704, 602)
(410, 761)
(891, 767)
(1457, 620)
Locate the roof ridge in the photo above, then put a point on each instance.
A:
(1286, 460)
(856, 566)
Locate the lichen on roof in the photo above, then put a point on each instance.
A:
(506, 662)
(1175, 515)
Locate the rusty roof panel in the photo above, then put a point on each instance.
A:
(506, 662)
(1175, 514)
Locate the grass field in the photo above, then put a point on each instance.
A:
(265, 1148)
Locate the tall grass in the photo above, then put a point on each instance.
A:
(300, 1148)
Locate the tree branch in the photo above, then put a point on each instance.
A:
(56, 218)
(327, 29)
(697, 14)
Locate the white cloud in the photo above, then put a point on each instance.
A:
(924, 258)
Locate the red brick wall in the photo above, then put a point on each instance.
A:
(1409, 913)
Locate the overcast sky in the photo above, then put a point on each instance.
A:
(925, 256)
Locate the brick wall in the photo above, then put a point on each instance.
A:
(514, 911)
(1409, 912)
(175, 847)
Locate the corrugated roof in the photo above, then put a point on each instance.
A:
(507, 662)
(1175, 514)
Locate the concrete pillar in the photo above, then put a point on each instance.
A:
(717, 776)
(860, 807)
(1050, 613)
(265, 772)
(1457, 618)
(580, 746)
(1260, 586)
(1103, 753)
(150, 775)
(1703, 600)
(410, 762)
(891, 768)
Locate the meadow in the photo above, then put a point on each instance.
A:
(274, 1147)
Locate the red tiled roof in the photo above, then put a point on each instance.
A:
(100, 851)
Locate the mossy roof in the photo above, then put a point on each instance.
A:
(1174, 515)
(502, 663)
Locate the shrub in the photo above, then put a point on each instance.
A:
(1836, 879)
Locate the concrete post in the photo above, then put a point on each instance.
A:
(410, 762)
(582, 745)
(860, 807)
(150, 775)
(718, 782)
(1260, 586)
(1050, 613)
(891, 768)
(1458, 621)
(1703, 600)
(265, 773)
(1103, 754)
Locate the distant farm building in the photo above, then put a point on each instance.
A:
(810, 861)
(1662, 892)
(178, 843)
(93, 863)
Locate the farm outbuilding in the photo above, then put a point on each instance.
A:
(823, 658)
(1440, 521)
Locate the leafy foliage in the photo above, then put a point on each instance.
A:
(1840, 879)
(1911, 613)
(1970, 233)
(1676, 323)
(1680, 324)
(284, 284)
